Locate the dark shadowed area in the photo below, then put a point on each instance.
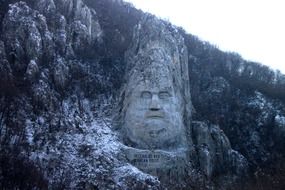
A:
(63, 65)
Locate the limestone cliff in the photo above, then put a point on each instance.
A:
(62, 68)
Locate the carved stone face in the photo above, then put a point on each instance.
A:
(153, 118)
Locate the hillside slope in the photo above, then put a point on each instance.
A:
(62, 65)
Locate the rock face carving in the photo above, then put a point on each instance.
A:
(156, 107)
(153, 117)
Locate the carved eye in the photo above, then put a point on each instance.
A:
(164, 95)
(146, 95)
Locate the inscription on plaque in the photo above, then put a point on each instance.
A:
(146, 160)
(152, 160)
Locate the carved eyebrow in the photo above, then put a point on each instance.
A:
(164, 94)
(146, 94)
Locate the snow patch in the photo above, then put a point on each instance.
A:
(29, 131)
(121, 173)
(280, 120)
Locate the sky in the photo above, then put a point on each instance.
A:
(253, 28)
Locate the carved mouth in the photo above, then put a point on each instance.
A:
(156, 115)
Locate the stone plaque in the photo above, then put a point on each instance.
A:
(157, 162)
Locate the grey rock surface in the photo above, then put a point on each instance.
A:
(169, 167)
(156, 87)
(156, 111)
(67, 66)
(215, 154)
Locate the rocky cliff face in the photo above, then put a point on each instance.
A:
(47, 120)
(62, 65)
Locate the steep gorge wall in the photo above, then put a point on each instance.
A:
(61, 67)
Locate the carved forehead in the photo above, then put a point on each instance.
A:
(155, 74)
(156, 61)
(155, 57)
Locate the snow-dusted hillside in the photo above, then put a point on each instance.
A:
(62, 65)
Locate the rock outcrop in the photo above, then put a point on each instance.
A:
(215, 155)
(62, 68)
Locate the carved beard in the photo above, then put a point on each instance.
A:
(152, 134)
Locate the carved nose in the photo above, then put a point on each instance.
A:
(154, 105)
